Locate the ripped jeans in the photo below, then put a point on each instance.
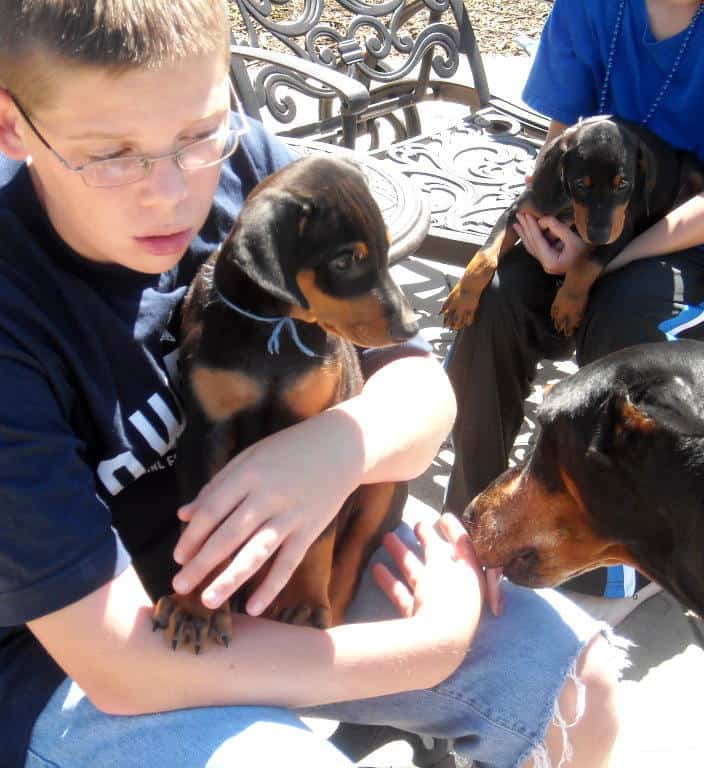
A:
(496, 706)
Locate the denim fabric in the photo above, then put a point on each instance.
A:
(497, 705)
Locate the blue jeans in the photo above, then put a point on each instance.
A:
(497, 705)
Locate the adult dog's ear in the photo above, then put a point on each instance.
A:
(266, 242)
(618, 423)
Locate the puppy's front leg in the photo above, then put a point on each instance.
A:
(572, 297)
(461, 305)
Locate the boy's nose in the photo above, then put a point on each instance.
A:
(165, 181)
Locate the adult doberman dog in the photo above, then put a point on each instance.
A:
(268, 333)
(616, 476)
(609, 178)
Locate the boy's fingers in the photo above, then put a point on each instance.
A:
(410, 566)
(205, 514)
(557, 227)
(285, 562)
(248, 561)
(397, 592)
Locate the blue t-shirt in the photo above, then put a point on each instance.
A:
(89, 416)
(566, 78)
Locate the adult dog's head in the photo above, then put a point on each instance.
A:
(313, 237)
(616, 476)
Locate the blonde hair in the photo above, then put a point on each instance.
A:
(114, 34)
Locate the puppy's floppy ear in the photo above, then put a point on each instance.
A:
(647, 173)
(266, 243)
(691, 180)
(619, 421)
(549, 182)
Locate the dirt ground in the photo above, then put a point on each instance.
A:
(495, 22)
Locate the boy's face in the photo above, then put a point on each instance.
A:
(147, 225)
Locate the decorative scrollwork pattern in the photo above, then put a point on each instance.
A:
(470, 172)
(377, 29)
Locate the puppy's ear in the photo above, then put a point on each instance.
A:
(266, 243)
(647, 165)
(618, 423)
(691, 181)
(549, 184)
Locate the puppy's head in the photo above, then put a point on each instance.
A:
(616, 476)
(312, 236)
(603, 163)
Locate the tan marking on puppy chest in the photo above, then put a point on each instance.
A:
(314, 391)
(224, 393)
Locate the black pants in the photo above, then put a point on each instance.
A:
(493, 362)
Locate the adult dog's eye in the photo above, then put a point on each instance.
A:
(623, 184)
(579, 185)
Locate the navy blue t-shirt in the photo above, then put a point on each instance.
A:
(567, 74)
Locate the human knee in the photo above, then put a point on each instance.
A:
(584, 731)
(598, 669)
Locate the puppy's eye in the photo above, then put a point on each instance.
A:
(580, 185)
(342, 263)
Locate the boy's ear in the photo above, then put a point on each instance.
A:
(11, 144)
(266, 244)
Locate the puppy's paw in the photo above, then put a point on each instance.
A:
(567, 311)
(307, 614)
(189, 623)
(459, 308)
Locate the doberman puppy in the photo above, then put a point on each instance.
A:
(610, 179)
(616, 476)
(268, 328)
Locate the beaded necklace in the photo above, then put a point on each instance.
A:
(668, 79)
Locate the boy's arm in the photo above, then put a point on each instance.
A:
(261, 506)
(106, 644)
(680, 229)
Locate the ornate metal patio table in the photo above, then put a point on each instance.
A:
(402, 204)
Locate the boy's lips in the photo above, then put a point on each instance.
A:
(161, 245)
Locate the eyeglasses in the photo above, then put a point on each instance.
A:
(120, 171)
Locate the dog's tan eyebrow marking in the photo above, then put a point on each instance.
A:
(617, 181)
(587, 181)
(360, 251)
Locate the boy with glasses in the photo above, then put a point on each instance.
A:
(130, 169)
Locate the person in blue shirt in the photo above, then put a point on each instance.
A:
(124, 169)
(640, 60)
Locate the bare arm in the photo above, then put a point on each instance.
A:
(680, 229)
(105, 642)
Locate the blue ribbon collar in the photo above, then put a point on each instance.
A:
(274, 344)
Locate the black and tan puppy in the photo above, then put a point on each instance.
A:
(268, 330)
(610, 179)
(616, 476)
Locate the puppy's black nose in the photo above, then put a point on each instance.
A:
(403, 328)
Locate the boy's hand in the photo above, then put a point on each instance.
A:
(448, 587)
(270, 501)
(557, 252)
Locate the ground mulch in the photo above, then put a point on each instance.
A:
(495, 22)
